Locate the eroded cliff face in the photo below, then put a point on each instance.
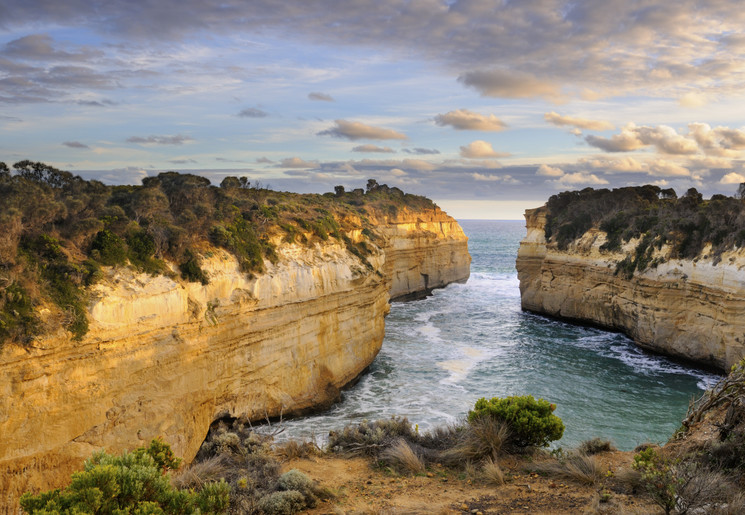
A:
(689, 309)
(164, 357)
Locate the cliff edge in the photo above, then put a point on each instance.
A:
(684, 306)
(164, 356)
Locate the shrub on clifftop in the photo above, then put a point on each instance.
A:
(136, 482)
(531, 422)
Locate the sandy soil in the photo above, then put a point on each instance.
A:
(361, 488)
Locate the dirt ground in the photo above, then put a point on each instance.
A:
(361, 488)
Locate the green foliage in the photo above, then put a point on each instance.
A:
(108, 248)
(58, 229)
(659, 477)
(17, 317)
(191, 269)
(135, 483)
(239, 237)
(531, 422)
(656, 217)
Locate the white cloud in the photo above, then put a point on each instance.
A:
(479, 149)
(373, 149)
(580, 123)
(463, 119)
(358, 130)
(732, 178)
(665, 139)
(320, 97)
(549, 171)
(579, 179)
(296, 162)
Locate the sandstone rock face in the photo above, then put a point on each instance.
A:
(689, 309)
(164, 357)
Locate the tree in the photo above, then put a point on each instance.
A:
(339, 190)
(372, 185)
(230, 183)
(740, 191)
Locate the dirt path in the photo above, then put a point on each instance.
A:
(361, 488)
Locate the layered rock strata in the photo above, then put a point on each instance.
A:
(166, 358)
(689, 309)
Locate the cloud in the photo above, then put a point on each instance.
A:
(373, 148)
(263, 159)
(421, 151)
(75, 144)
(39, 47)
(357, 130)
(693, 99)
(578, 178)
(549, 171)
(178, 139)
(732, 178)
(668, 169)
(321, 97)
(580, 123)
(183, 161)
(479, 149)
(463, 119)
(622, 165)
(252, 112)
(665, 139)
(296, 162)
(480, 177)
(509, 84)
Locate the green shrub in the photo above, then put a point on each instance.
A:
(370, 438)
(531, 422)
(17, 317)
(110, 249)
(285, 502)
(659, 477)
(191, 270)
(135, 482)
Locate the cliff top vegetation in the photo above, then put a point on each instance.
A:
(656, 217)
(57, 230)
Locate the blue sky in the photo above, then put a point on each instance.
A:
(488, 107)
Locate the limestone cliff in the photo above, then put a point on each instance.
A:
(165, 357)
(687, 308)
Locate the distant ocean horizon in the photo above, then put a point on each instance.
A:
(472, 340)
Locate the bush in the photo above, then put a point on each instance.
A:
(531, 422)
(190, 269)
(109, 248)
(136, 482)
(595, 446)
(659, 477)
(282, 503)
(371, 438)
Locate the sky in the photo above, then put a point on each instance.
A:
(486, 106)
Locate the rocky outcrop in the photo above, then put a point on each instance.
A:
(164, 357)
(689, 309)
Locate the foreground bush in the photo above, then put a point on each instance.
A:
(136, 482)
(531, 422)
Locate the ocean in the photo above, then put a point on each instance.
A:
(472, 340)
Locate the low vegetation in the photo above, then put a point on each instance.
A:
(57, 231)
(651, 216)
(136, 482)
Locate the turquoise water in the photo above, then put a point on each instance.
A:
(472, 340)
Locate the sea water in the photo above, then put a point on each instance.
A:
(472, 340)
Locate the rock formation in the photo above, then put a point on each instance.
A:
(164, 357)
(686, 308)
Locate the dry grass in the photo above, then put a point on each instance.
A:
(402, 458)
(482, 438)
(578, 467)
(492, 473)
(596, 446)
(294, 449)
(200, 473)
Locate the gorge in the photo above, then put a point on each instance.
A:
(164, 356)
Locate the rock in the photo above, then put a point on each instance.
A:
(689, 309)
(166, 358)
